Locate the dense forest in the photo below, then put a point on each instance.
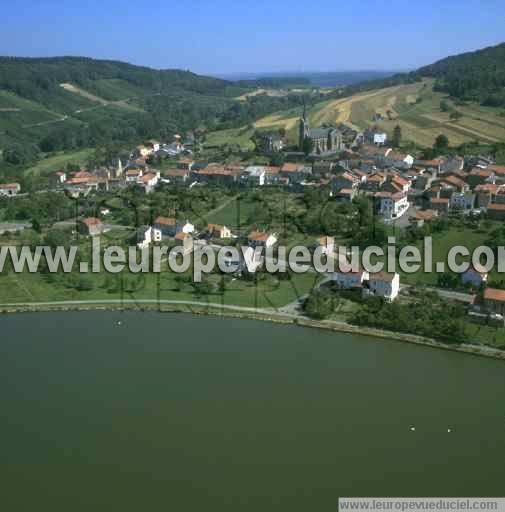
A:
(473, 76)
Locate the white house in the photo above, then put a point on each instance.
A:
(473, 277)
(143, 151)
(149, 181)
(153, 145)
(398, 160)
(348, 280)
(262, 239)
(379, 139)
(60, 177)
(133, 175)
(10, 189)
(218, 231)
(392, 206)
(188, 228)
(247, 259)
(144, 237)
(254, 175)
(384, 285)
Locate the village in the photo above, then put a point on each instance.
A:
(403, 193)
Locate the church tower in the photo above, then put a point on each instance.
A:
(303, 130)
(119, 168)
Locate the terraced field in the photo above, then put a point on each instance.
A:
(415, 107)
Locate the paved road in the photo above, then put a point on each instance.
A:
(13, 226)
(71, 223)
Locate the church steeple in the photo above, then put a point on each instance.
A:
(303, 130)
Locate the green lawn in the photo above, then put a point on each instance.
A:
(58, 161)
(236, 213)
(241, 136)
(442, 243)
(488, 335)
(267, 292)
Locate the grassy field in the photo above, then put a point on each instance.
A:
(442, 243)
(267, 292)
(234, 214)
(415, 107)
(241, 136)
(56, 162)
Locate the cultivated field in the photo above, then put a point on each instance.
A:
(56, 162)
(415, 107)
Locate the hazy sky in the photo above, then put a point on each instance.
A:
(221, 36)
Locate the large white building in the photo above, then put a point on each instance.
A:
(254, 175)
(392, 206)
(348, 280)
(385, 285)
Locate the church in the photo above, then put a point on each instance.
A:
(326, 140)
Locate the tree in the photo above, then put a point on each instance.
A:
(56, 238)
(441, 143)
(500, 157)
(320, 304)
(84, 283)
(18, 154)
(397, 136)
(444, 106)
(308, 146)
(36, 226)
(277, 160)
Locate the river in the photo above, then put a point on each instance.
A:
(147, 411)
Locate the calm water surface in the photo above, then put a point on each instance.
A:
(183, 413)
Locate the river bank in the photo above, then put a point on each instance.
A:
(214, 309)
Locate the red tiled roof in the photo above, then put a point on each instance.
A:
(291, 167)
(148, 177)
(487, 187)
(401, 181)
(497, 169)
(496, 207)
(494, 294)
(483, 173)
(425, 214)
(165, 221)
(176, 172)
(259, 236)
(382, 276)
(92, 221)
(453, 180)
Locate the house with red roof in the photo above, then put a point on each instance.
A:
(9, 189)
(90, 226)
(494, 301)
(496, 211)
(261, 239)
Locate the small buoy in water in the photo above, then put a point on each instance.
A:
(412, 429)
(449, 430)
(119, 322)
